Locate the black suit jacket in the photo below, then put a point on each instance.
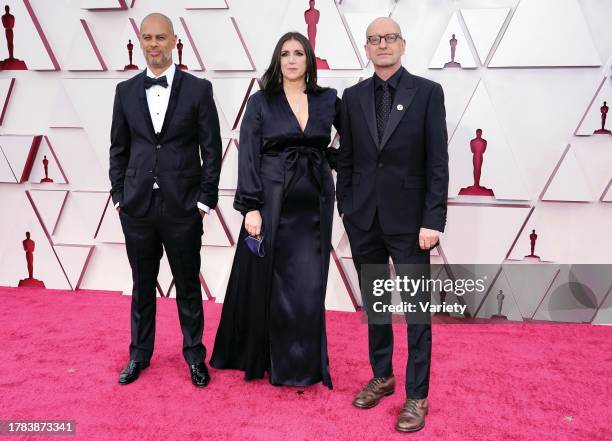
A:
(404, 178)
(184, 159)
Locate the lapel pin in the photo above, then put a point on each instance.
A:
(400, 107)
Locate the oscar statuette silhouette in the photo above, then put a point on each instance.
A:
(312, 15)
(28, 247)
(500, 304)
(11, 63)
(130, 48)
(453, 47)
(604, 113)
(179, 49)
(533, 237)
(46, 179)
(478, 146)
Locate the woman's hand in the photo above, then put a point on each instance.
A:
(252, 223)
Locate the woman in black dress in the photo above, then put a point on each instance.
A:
(273, 317)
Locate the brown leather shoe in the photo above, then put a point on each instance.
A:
(376, 388)
(412, 416)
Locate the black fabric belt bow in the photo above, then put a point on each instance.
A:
(292, 156)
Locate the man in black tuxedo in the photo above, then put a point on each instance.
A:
(163, 120)
(392, 195)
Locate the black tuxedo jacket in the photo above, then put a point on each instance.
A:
(404, 178)
(184, 158)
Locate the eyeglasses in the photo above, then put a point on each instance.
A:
(389, 38)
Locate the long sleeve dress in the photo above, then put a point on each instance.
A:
(273, 317)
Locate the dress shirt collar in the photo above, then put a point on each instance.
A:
(169, 73)
(393, 81)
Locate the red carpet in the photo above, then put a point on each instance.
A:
(62, 352)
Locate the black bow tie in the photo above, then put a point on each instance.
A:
(161, 81)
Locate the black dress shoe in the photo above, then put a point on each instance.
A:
(199, 374)
(132, 371)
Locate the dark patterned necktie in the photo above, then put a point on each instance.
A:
(383, 111)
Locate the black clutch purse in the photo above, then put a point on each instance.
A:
(255, 244)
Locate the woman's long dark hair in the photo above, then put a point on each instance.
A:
(272, 79)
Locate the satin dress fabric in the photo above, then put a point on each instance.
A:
(273, 317)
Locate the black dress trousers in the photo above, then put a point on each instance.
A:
(146, 237)
(373, 247)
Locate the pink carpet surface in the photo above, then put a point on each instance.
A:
(61, 353)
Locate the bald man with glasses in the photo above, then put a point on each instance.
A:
(392, 195)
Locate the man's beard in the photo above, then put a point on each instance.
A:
(163, 60)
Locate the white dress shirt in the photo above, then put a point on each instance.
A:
(157, 99)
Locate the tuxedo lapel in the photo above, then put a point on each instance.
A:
(144, 106)
(176, 85)
(367, 104)
(403, 98)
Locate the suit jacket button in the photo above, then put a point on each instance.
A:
(380, 164)
(158, 147)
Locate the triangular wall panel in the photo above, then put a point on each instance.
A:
(463, 54)
(575, 294)
(84, 54)
(509, 306)
(459, 86)
(20, 151)
(569, 182)
(484, 26)
(29, 41)
(80, 217)
(104, 258)
(594, 155)
(537, 37)
(74, 259)
(13, 260)
(49, 205)
(120, 58)
(63, 113)
(500, 171)
(79, 160)
(488, 232)
(110, 230)
(529, 282)
(231, 94)
(332, 42)
(55, 171)
(210, 32)
(191, 55)
(88, 93)
(592, 120)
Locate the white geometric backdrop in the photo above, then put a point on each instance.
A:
(533, 76)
